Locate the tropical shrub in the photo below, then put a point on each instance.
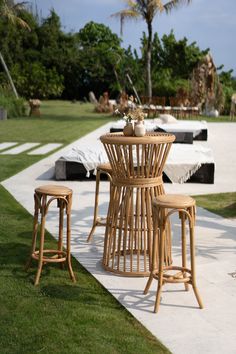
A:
(33, 80)
(15, 106)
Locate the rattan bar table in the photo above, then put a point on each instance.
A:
(137, 166)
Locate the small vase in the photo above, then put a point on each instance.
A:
(139, 129)
(128, 129)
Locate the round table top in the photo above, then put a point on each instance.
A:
(148, 138)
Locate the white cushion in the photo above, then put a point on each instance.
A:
(167, 118)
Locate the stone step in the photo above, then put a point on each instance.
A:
(19, 149)
(41, 150)
(7, 145)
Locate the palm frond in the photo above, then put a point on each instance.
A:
(11, 13)
(157, 5)
(170, 5)
(131, 10)
(130, 3)
(20, 6)
(22, 23)
(149, 8)
(127, 13)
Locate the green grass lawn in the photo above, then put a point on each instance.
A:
(223, 204)
(57, 316)
(60, 122)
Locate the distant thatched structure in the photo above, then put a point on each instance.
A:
(206, 90)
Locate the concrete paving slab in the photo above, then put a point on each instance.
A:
(7, 145)
(180, 324)
(42, 150)
(19, 149)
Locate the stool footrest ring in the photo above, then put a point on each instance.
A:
(58, 256)
(180, 277)
(101, 221)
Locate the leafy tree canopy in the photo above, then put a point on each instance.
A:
(100, 53)
(47, 62)
(95, 34)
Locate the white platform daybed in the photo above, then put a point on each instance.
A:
(185, 163)
(185, 130)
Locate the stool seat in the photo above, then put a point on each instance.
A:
(174, 201)
(106, 167)
(53, 190)
(43, 197)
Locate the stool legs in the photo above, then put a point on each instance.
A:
(41, 246)
(61, 222)
(161, 259)
(183, 228)
(68, 239)
(192, 251)
(97, 221)
(154, 252)
(185, 275)
(35, 230)
(61, 205)
(95, 216)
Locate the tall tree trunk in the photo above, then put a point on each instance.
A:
(117, 79)
(8, 75)
(149, 59)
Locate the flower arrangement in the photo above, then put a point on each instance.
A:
(134, 121)
(137, 114)
(127, 118)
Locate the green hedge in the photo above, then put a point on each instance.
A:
(15, 106)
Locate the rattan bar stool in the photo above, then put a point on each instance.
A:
(43, 196)
(163, 207)
(104, 168)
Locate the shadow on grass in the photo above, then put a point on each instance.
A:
(68, 292)
(13, 253)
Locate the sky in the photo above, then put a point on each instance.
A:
(209, 23)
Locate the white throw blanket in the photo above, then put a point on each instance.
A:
(183, 160)
(90, 158)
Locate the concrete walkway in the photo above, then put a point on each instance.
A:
(180, 324)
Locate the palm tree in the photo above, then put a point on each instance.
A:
(146, 10)
(10, 10)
